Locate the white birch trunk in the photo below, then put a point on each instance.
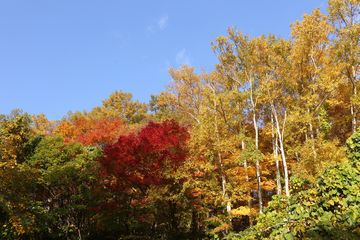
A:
(223, 178)
(353, 108)
(258, 174)
(247, 180)
(311, 131)
(276, 156)
(281, 148)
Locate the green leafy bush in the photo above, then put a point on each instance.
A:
(329, 209)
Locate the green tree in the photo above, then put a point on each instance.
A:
(15, 132)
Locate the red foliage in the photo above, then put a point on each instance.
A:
(141, 158)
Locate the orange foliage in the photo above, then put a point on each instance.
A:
(90, 131)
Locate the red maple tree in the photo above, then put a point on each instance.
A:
(142, 157)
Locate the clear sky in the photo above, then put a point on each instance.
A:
(68, 55)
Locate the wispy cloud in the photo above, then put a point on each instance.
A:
(166, 66)
(160, 25)
(163, 22)
(150, 29)
(120, 38)
(182, 57)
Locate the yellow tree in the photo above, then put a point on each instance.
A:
(345, 17)
(184, 95)
(313, 71)
(41, 125)
(120, 104)
(223, 125)
(15, 132)
(238, 64)
(209, 104)
(273, 67)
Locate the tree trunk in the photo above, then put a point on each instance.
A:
(354, 110)
(311, 131)
(353, 116)
(172, 216)
(79, 234)
(282, 150)
(195, 229)
(276, 156)
(223, 178)
(223, 185)
(258, 175)
(247, 180)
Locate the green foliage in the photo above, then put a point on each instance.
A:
(15, 131)
(324, 123)
(251, 154)
(353, 147)
(329, 209)
(56, 184)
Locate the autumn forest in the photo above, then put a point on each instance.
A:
(266, 146)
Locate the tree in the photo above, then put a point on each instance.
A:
(238, 63)
(66, 184)
(140, 161)
(88, 130)
(41, 125)
(121, 105)
(139, 157)
(327, 209)
(312, 70)
(344, 16)
(184, 96)
(52, 193)
(15, 132)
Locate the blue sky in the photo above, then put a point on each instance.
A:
(68, 55)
